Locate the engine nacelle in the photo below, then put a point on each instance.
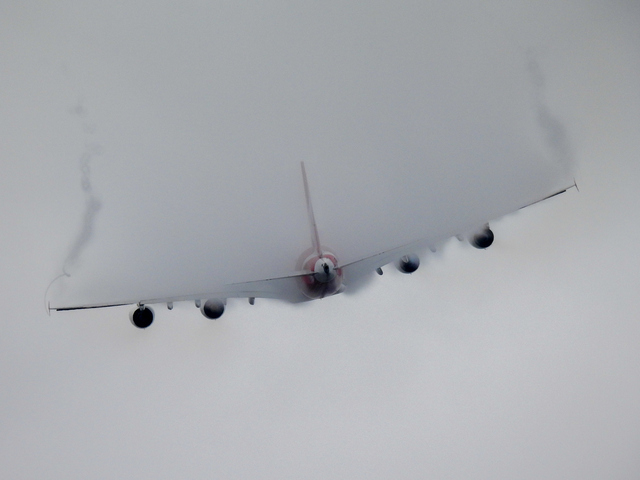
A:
(212, 308)
(408, 263)
(141, 317)
(483, 239)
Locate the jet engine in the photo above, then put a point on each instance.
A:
(482, 239)
(141, 317)
(212, 308)
(408, 263)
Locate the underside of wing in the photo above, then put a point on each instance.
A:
(476, 235)
(354, 270)
(282, 288)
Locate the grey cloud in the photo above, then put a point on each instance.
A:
(517, 362)
(404, 134)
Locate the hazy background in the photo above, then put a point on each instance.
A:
(517, 362)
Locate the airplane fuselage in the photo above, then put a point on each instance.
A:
(327, 277)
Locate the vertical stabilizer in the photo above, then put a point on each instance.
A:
(315, 239)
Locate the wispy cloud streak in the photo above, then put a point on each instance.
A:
(554, 131)
(92, 202)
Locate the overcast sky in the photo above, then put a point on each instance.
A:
(158, 147)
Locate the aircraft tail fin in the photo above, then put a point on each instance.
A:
(315, 238)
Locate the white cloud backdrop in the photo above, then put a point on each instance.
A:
(517, 362)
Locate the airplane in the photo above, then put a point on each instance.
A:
(318, 274)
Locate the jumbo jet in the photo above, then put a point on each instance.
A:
(318, 274)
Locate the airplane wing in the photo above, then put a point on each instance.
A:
(283, 288)
(363, 266)
(574, 185)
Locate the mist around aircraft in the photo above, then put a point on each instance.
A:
(319, 272)
(414, 124)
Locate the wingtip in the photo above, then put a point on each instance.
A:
(47, 302)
